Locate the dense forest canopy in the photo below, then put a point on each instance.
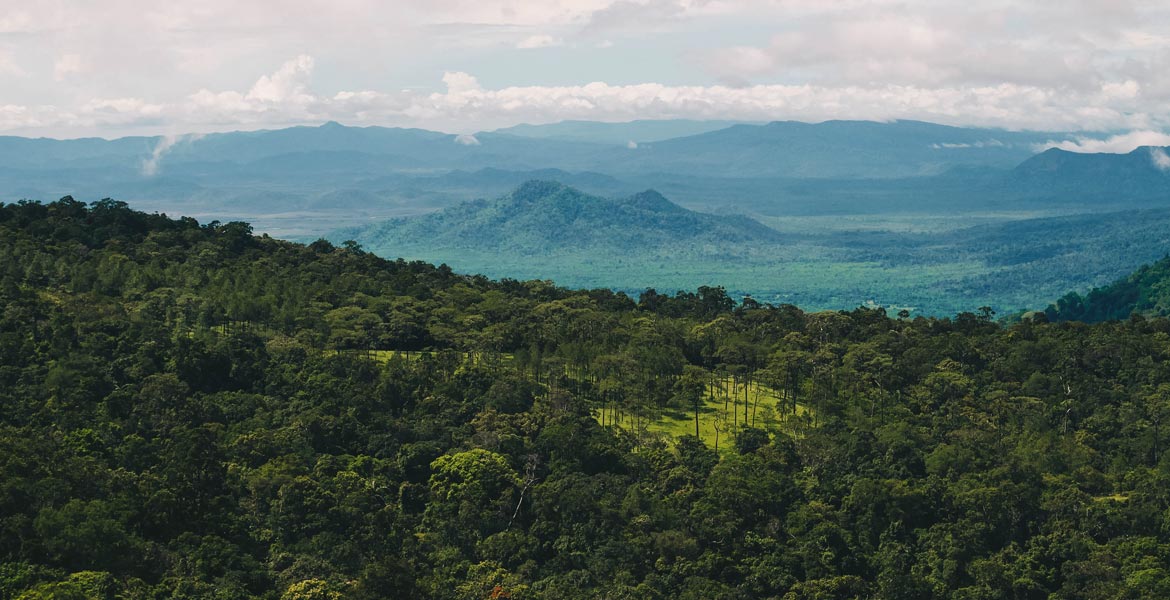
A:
(189, 410)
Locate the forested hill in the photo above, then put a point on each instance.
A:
(544, 217)
(1145, 292)
(191, 411)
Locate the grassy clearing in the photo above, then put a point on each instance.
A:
(719, 416)
(384, 356)
(767, 409)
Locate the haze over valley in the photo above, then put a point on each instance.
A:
(832, 215)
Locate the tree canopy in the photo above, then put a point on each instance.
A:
(190, 410)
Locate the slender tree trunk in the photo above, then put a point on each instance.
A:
(697, 400)
(756, 406)
(747, 383)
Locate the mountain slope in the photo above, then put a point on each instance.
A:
(1145, 291)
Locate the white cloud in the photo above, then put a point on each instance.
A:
(466, 139)
(1160, 159)
(538, 41)
(285, 98)
(504, 12)
(1123, 90)
(992, 143)
(1117, 144)
(150, 165)
(119, 111)
(66, 65)
(460, 83)
(640, 15)
(8, 66)
(1085, 65)
(1007, 105)
(287, 84)
(632, 145)
(16, 21)
(1066, 45)
(15, 117)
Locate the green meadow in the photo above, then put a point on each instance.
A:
(720, 415)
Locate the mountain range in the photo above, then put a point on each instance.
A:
(827, 215)
(771, 169)
(785, 148)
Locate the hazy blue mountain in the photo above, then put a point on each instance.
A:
(385, 149)
(777, 169)
(855, 149)
(641, 131)
(548, 218)
(858, 149)
(24, 153)
(290, 150)
(1134, 178)
(1064, 164)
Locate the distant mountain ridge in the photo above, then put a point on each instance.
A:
(716, 148)
(866, 149)
(1136, 175)
(302, 182)
(638, 131)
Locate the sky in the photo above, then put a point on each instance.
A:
(72, 68)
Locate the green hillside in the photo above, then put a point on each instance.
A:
(188, 411)
(1145, 292)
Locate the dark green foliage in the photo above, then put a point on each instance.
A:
(1145, 292)
(191, 411)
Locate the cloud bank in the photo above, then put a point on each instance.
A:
(72, 68)
(1117, 144)
(284, 97)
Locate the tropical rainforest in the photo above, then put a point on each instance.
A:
(189, 410)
